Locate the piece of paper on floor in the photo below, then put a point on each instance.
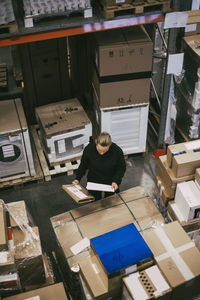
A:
(78, 247)
(99, 187)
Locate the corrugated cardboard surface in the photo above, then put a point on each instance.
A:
(131, 206)
(122, 93)
(61, 117)
(88, 198)
(123, 51)
(18, 213)
(3, 228)
(192, 45)
(51, 292)
(169, 180)
(178, 264)
(10, 113)
(186, 164)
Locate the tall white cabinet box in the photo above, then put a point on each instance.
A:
(65, 129)
(15, 148)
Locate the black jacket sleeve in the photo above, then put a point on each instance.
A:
(120, 168)
(83, 165)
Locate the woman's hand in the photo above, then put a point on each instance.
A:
(115, 186)
(75, 181)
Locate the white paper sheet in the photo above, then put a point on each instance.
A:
(175, 20)
(78, 247)
(76, 191)
(175, 63)
(3, 257)
(99, 187)
(190, 27)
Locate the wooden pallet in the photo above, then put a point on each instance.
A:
(8, 28)
(149, 6)
(18, 181)
(66, 166)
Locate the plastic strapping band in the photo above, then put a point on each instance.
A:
(174, 253)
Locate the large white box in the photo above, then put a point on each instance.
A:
(15, 147)
(187, 199)
(65, 129)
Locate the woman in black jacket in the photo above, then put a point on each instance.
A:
(105, 163)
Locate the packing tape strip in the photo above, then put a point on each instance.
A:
(161, 189)
(173, 252)
(158, 182)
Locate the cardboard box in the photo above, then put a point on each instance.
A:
(28, 256)
(7, 263)
(191, 44)
(51, 292)
(18, 213)
(61, 117)
(187, 198)
(167, 177)
(184, 158)
(78, 193)
(3, 228)
(177, 258)
(91, 220)
(147, 284)
(121, 249)
(123, 51)
(122, 90)
(9, 282)
(176, 215)
(193, 23)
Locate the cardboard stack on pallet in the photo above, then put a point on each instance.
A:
(65, 130)
(22, 263)
(121, 82)
(178, 165)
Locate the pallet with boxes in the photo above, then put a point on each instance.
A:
(23, 265)
(37, 10)
(121, 85)
(85, 253)
(64, 130)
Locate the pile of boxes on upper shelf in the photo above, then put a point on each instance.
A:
(121, 247)
(121, 85)
(23, 265)
(178, 182)
(187, 85)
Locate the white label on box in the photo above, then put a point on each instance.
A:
(3, 257)
(9, 277)
(33, 298)
(175, 63)
(190, 27)
(131, 269)
(96, 269)
(77, 192)
(175, 20)
(192, 145)
(88, 13)
(61, 146)
(8, 151)
(157, 279)
(120, 1)
(135, 287)
(78, 247)
(14, 137)
(79, 141)
(28, 22)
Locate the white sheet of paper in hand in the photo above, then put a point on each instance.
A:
(99, 187)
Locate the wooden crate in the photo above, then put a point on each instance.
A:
(136, 8)
(66, 166)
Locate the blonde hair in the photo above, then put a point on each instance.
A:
(104, 139)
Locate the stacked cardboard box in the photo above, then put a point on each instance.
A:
(178, 165)
(94, 219)
(21, 264)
